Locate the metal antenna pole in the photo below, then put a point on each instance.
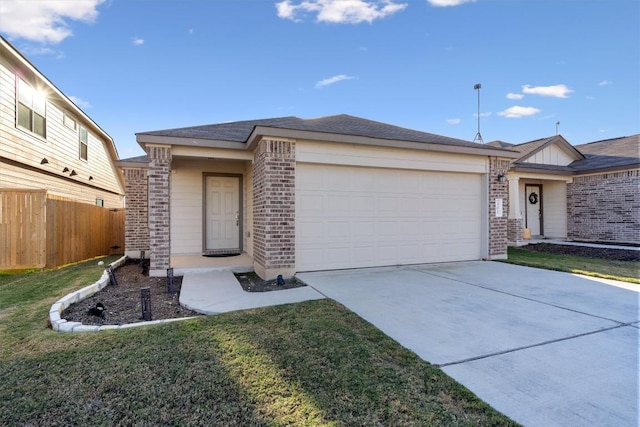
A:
(478, 136)
(557, 125)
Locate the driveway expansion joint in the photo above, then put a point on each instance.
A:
(526, 347)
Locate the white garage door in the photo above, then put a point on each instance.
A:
(349, 217)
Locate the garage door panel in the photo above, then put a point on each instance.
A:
(350, 217)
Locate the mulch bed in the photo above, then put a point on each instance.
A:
(251, 282)
(602, 253)
(122, 303)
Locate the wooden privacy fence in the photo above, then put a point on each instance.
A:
(37, 231)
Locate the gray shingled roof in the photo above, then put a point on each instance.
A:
(340, 124)
(609, 153)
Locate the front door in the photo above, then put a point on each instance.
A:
(222, 212)
(533, 213)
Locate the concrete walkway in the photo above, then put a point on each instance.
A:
(543, 347)
(214, 292)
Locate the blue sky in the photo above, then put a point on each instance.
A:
(141, 65)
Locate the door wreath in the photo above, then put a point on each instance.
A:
(533, 198)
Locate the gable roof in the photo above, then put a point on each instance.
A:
(599, 156)
(331, 128)
(530, 148)
(615, 153)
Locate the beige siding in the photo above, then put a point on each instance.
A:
(555, 209)
(554, 206)
(14, 177)
(187, 203)
(22, 149)
(384, 157)
(551, 155)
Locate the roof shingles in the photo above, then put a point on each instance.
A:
(339, 124)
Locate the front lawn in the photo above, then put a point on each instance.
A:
(626, 271)
(307, 364)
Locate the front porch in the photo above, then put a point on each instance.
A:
(537, 207)
(196, 263)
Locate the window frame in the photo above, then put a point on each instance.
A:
(70, 122)
(83, 144)
(31, 105)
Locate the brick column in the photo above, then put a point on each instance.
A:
(514, 221)
(136, 223)
(159, 208)
(274, 179)
(498, 225)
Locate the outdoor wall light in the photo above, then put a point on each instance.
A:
(502, 177)
(44, 161)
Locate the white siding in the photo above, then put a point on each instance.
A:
(25, 150)
(385, 157)
(554, 206)
(555, 209)
(15, 177)
(186, 200)
(551, 155)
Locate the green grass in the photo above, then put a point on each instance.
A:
(308, 364)
(625, 271)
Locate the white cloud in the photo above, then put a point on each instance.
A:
(515, 96)
(138, 41)
(45, 21)
(516, 112)
(454, 121)
(339, 11)
(79, 102)
(557, 91)
(332, 80)
(446, 3)
(605, 83)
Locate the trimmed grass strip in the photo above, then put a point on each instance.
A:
(624, 271)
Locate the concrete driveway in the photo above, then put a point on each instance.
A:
(543, 347)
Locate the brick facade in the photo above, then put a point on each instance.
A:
(604, 207)
(136, 227)
(514, 229)
(159, 209)
(498, 225)
(274, 178)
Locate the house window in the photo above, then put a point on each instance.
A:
(31, 109)
(69, 121)
(84, 142)
(100, 202)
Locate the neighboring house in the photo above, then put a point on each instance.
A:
(48, 143)
(327, 193)
(589, 192)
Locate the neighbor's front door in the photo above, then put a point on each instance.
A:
(222, 212)
(533, 200)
